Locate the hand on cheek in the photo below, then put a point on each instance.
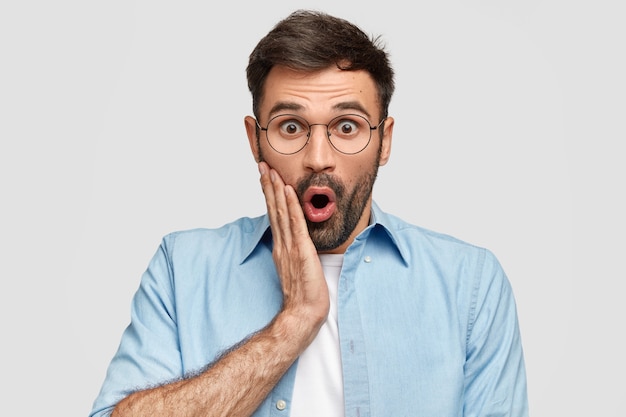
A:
(304, 288)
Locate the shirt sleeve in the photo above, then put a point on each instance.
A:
(149, 351)
(495, 376)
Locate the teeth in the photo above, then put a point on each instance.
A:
(319, 201)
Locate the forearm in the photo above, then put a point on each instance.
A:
(233, 386)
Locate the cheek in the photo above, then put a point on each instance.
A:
(361, 166)
(287, 167)
(352, 175)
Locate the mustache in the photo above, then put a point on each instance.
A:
(321, 180)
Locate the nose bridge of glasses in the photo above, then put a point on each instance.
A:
(319, 124)
(321, 145)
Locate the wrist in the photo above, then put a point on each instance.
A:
(296, 328)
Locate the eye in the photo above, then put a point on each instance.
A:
(291, 127)
(347, 127)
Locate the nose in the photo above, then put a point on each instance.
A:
(319, 154)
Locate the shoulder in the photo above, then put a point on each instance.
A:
(412, 237)
(233, 235)
(426, 248)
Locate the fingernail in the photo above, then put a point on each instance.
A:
(261, 169)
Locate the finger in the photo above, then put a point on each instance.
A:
(297, 222)
(270, 201)
(281, 209)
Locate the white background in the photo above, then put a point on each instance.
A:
(121, 121)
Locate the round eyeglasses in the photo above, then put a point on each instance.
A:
(288, 134)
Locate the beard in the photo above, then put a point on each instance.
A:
(335, 231)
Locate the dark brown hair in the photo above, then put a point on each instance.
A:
(311, 41)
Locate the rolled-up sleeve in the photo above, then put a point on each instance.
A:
(149, 350)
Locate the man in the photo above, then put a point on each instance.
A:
(326, 306)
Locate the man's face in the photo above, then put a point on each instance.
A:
(334, 188)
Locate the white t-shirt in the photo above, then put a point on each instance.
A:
(318, 389)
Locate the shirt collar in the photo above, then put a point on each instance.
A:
(390, 224)
(260, 234)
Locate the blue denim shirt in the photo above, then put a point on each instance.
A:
(427, 323)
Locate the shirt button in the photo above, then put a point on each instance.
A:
(367, 259)
(281, 405)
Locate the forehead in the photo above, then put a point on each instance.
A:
(328, 91)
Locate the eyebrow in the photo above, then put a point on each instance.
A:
(292, 106)
(352, 105)
(284, 105)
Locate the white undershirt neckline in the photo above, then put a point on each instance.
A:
(318, 388)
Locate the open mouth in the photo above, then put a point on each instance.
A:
(318, 203)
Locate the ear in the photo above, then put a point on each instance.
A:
(251, 130)
(385, 151)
